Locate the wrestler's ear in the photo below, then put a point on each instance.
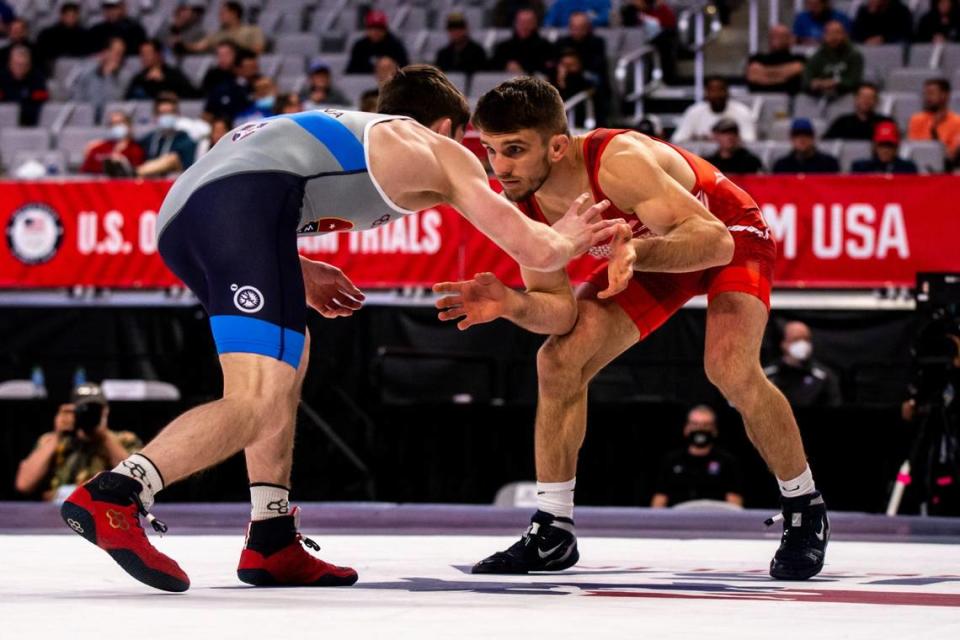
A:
(558, 146)
(443, 126)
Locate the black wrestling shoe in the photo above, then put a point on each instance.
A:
(806, 531)
(550, 544)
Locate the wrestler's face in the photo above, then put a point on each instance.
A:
(521, 160)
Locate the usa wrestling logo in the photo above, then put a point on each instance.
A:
(247, 130)
(34, 233)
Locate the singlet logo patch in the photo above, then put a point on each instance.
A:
(247, 130)
(247, 299)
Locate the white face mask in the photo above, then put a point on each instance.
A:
(167, 121)
(119, 131)
(800, 349)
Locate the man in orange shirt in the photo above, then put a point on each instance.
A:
(936, 121)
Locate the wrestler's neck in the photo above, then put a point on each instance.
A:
(568, 177)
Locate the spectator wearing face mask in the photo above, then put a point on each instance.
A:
(169, 150)
(118, 148)
(804, 381)
(702, 470)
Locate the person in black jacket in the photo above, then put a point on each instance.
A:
(859, 124)
(19, 37)
(116, 24)
(157, 77)
(592, 50)
(526, 51)
(941, 23)
(65, 38)
(886, 148)
(731, 157)
(377, 43)
(882, 22)
(463, 53)
(805, 157)
(20, 82)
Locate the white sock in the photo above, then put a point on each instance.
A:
(268, 501)
(799, 486)
(556, 498)
(141, 468)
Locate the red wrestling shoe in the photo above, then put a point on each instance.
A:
(273, 556)
(106, 511)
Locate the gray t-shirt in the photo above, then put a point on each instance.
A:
(327, 148)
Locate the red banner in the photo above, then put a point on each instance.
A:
(841, 231)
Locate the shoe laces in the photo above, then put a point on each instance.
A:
(158, 525)
(307, 542)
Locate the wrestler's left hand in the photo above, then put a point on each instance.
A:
(328, 290)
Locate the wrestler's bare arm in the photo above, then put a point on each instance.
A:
(418, 169)
(688, 237)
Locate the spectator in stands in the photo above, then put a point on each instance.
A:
(731, 156)
(463, 53)
(936, 121)
(805, 157)
(223, 70)
(101, 83)
(233, 29)
(288, 103)
(184, 34)
(836, 68)
(156, 76)
(263, 103)
(6, 16)
(21, 83)
(570, 79)
(77, 449)
(804, 381)
(882, 22)
(592, 50)
(702, 470)
(941, 23)
(526, 51)
(116, 155)
(809, 25)
(19, 36)
(368, 100)
(860, 124)
(505, 11)
(886, 153)
(320, 89)
(377, 42)
(384, 70)
(116, 24)
(169, 150)
(67, 37)
(667, 40)
(219, 127)
(780, 70)
(558, 15)
(698, 120)
(235, 96)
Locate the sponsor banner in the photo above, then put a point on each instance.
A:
(842, 231)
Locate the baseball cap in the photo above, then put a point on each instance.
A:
(801, 126)
(318, 64)
(375, 19)
(456, 20)
(886, 133)
(726, 125)
(88, 392)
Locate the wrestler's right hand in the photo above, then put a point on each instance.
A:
(586, 228)
(477, 301)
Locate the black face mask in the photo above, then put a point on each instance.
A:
(701, 438)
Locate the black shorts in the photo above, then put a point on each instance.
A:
(234, 243)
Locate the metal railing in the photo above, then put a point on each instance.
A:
(635, 65)
(570, 106)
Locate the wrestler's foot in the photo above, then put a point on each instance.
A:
(549, 544)
(273, 556)
(106, 511)
(803, 546)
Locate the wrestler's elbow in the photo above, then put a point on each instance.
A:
(722, 242)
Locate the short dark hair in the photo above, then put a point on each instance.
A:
(234, 7)
(522, 103)
(942, 83)
(715, 78)
(66, 7)
(424, 93)
(868, 85)
(166, 97)
(154, 43)
(241, 55)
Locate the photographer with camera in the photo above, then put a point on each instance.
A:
(80, 446)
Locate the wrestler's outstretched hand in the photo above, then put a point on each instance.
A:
(328, 290)
(477, 301)
(623, 256)
(585, 228)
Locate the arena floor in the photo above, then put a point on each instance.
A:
(663, 576)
